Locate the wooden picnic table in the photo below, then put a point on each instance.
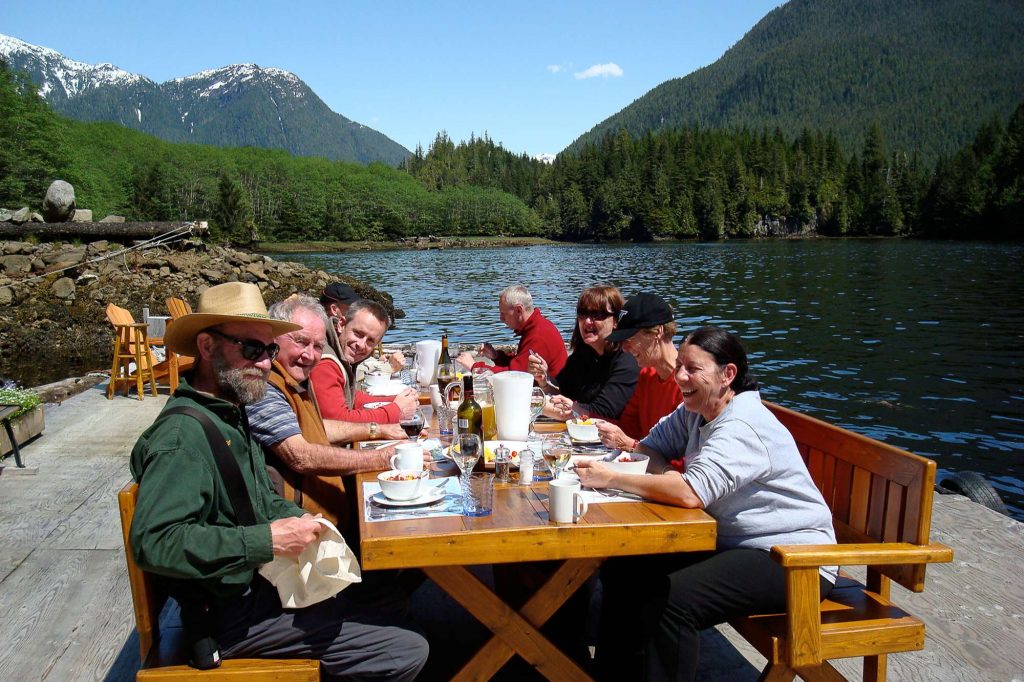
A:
(518, 530)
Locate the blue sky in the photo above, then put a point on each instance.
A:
(532, 75)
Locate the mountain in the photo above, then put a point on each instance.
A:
(930, 72)
(234, 106)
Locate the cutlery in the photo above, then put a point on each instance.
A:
(547, 377)
(384, 444)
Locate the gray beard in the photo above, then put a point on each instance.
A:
(240, 386)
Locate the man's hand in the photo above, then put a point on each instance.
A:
(593, 474)
(408, 400)
(466, 359)
(487, 350)
(392, 432)
(397, 361)
(290, 536)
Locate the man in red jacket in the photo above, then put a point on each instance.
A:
(536, 332)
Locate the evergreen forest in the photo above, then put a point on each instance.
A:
(686, 183)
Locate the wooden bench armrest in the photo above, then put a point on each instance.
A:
(865, 554)
(132, 325)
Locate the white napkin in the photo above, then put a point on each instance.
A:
(325, 567)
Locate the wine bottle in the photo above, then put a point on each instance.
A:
(471, 416)
(445, 366)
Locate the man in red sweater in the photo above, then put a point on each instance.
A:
(333, 377)
(537, 334)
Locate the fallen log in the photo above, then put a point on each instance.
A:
(115, 231)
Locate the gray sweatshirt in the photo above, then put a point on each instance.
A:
(746, 469)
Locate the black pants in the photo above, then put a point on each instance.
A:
(654, 607)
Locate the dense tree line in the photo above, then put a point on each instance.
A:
(245, 192)
(715, 184)
(682, 183)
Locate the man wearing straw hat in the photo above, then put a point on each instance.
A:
(186, 527)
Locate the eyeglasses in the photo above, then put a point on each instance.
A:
(596, 315)
(251, 349)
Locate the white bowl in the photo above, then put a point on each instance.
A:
(402, 489)
(637, 466)
(586, 433)
(377, 379)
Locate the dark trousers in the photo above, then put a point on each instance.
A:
(356, 634)
(654, 608)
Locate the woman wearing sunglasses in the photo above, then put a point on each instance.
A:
(598, 378)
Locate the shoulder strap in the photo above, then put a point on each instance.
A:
(226, 464)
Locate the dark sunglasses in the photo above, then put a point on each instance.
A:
(251, 348)
(597, 315)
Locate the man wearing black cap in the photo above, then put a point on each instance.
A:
(336, 299)
(645, 330)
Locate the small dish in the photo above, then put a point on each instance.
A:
(433, 494)
(584, 431)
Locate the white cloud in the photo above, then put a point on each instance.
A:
(554, 68)
(604, 70)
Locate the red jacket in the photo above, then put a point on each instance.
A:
(329, 385)
(540, 335)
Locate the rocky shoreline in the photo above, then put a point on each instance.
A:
(53, 296)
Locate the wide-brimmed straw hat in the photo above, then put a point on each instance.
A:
(230, 302)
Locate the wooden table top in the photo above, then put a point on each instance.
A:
(519, 530)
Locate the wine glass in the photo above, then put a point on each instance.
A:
(537, 401)
(467, 449)
(413, 425)
(556, 457)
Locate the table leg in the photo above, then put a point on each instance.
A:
(516, 632)
(14, 444)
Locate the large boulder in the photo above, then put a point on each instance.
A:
(82, 215)
(21, 215)
(59, 204)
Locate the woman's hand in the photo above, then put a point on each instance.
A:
(593, 474)
(612, 436)
(538, 367)
(559, 407)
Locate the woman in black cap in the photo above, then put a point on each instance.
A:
(645, 330)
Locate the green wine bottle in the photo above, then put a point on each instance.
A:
(471, 416)
(445, 366)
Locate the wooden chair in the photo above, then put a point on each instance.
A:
(163, 647)
(881, 502)
(132, 345)
(178, 307)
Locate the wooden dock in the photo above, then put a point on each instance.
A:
(65, 608)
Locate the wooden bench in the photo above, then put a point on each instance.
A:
(881, 502)
(162, 646)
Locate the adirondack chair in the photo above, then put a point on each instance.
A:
(162, 645)
(178, 307)
(132, 345)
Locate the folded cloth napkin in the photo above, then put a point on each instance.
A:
(325, 567)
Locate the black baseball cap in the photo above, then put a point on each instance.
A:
(339, 293)
(640, 312)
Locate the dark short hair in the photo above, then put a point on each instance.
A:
(726, 348)
(374, 308)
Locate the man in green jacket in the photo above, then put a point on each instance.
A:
(186, 530)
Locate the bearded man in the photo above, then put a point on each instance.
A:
(186, 528)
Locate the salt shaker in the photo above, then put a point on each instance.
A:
(526, 456)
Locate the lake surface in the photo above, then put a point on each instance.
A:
(918, 344)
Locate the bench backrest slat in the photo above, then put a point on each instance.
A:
(877, 492)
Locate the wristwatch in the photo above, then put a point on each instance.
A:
(374, 430)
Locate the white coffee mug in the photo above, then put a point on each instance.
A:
(565, 502)
(408, 457)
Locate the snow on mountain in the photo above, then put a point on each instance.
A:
(546, 157)
(56, 70)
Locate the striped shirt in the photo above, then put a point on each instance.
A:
(271, 418)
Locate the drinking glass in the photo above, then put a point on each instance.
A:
(409, 371)
(537, 401)
(556, 457)
(413, 425)
(467, 449)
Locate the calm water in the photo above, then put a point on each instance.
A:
(919, 344)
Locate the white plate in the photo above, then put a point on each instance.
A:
(596, 441)
(429, 497)
(377, 404)
(390, 388)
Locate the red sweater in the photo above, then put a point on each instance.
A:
(652, 400)
(540, 335)
(329, 386)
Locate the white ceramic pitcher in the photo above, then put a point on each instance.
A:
(512, 404)
(427, 355)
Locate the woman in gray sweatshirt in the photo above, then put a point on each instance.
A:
(744, 469)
